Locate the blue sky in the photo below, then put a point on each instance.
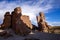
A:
(51, 9)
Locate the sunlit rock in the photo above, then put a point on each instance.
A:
(42, 25)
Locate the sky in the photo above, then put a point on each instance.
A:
(31, 8)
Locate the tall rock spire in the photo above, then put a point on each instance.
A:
(41, 22)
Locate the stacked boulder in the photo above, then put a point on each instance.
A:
(42, 25)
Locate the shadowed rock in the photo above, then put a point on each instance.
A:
(7, 20)
(34, 27)
(18, 24)
(5, 33)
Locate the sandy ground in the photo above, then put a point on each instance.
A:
(38, 35)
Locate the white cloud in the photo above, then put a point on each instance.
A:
(30, 10)
(53, 23)
(33, 10)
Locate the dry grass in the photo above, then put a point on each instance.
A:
(54, 29)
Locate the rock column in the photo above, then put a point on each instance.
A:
(42, 26)
(17, 24)
(7, 20)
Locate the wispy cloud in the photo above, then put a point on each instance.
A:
(53, 23)
(30, 8)
(34, 9)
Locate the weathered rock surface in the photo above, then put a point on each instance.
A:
(42, 25)
(7, 20)
(18, 24)
(26, 20)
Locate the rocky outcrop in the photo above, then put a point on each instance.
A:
(14, 17)
(21, 23)
(42, 25)
(18, 24)
(26, 20)
(7, 20)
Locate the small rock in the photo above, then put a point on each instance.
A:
(5, 34)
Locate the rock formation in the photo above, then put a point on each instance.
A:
(42, 25)
(26, 21)
(14, 16)
(7, 20)
(21, 23)
(18, 24)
